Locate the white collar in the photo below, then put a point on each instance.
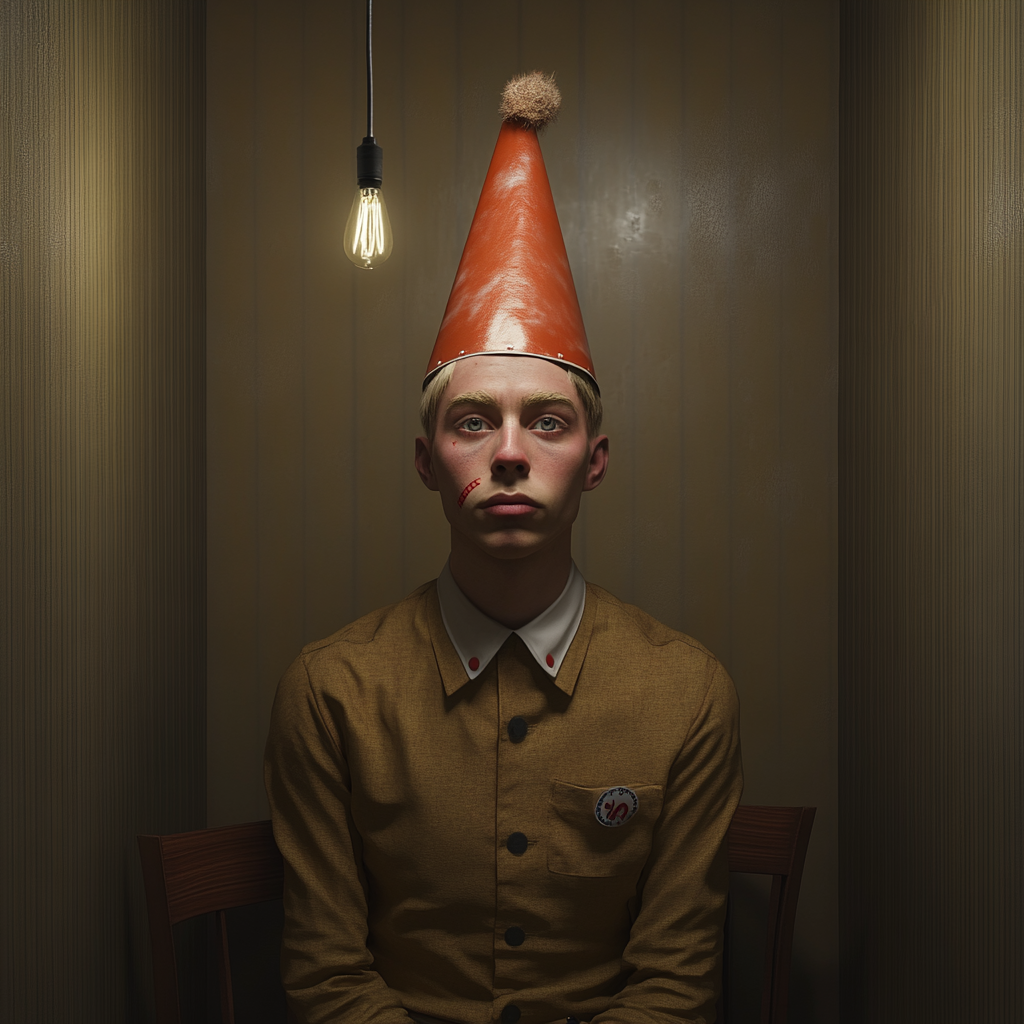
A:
(477, 637)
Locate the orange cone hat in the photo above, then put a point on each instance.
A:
(513, 292)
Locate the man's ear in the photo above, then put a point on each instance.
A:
(424, 463)
(598, 465)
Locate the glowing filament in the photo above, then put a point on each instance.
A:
(368, 240)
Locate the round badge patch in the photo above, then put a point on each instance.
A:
(616, 806)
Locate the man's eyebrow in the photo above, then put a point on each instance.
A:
(537, 398)
(473, 398)
(547, 397)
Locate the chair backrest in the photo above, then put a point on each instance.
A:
(193, 873)
(215, 869)
(771, 841)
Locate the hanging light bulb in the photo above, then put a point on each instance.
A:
(368, 238)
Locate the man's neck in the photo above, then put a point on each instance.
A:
(512, 591)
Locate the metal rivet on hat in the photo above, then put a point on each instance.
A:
(560, 356)
(515, 936)
(616, 806)
(462, 351)
(550, 660)
(474, 664)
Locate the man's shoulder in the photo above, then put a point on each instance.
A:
(394, 622)
(629, 621)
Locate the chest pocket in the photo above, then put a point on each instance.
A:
(578, 844)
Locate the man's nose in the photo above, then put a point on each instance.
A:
(510, 456)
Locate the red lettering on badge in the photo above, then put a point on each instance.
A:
(614, 810)
(465, 494)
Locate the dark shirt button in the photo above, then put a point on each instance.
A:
(517, 843)
(510, 1014)
(517, 729)
(515, 936)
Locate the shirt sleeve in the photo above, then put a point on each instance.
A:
(326, 969)
(675, 945)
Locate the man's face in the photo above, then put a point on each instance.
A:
(510, 454)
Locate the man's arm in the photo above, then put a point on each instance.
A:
(675, 943)
(326, 968)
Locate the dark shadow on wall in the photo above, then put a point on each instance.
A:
(748, 918)
(254, 938)
(748, 936)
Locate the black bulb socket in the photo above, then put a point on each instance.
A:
(370, 163)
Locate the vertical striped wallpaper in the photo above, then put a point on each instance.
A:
(694, 167)
(102, 603)
(932, 498)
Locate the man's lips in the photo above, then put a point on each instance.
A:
(509, 505)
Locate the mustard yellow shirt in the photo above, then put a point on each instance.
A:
(442, 843)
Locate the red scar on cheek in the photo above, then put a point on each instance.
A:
(465, 494)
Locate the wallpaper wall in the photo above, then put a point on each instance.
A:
(932, 498)
(694, 167)
(844, 533)
(102, 489)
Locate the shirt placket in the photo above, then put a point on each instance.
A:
(519, 819)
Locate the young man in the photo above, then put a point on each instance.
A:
(505, 797)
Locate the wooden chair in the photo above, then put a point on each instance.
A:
(771, 841)
(204, 872)
(215, 869)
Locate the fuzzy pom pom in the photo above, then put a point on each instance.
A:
(531, 100)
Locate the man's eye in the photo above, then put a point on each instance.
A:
(474, 423)
(548, 423)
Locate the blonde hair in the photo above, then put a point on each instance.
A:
(431, 397)
(589, 396)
